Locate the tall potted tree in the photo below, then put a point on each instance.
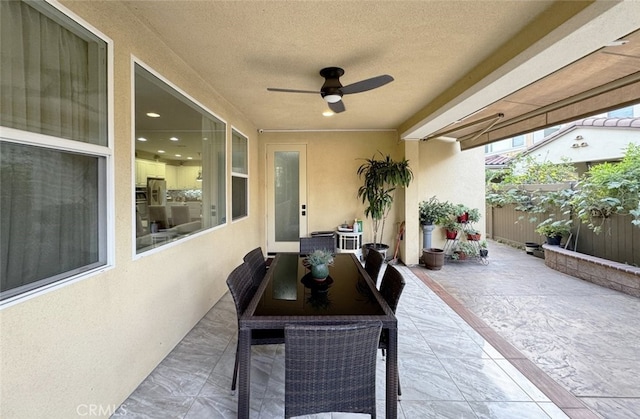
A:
(381, 177)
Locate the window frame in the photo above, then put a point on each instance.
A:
(104, 154)
(245, 176)
(135, 60)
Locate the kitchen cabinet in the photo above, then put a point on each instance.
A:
(186, 177)
(146, 169)
(171, 176)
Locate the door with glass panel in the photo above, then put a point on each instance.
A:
(286, 196)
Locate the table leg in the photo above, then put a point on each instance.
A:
(244, 373)
(392, 375)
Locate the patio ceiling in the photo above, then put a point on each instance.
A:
(449, 59)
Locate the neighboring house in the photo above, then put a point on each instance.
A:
(583, 142)
(588, 141)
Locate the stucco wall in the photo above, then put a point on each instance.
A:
(451, 175)
(333, 159)
(93, 341)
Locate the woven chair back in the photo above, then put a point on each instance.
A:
(257, 265)
(331, 368)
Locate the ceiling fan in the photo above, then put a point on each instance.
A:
(332, 90)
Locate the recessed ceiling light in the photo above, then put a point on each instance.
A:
(160, 151)
(142, 139)
(174, 138)
(153, 115)
(328, 112)
(189, 158)
(178, 155)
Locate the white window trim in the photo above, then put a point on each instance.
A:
(242, 175)
(135, 256)
(41, 140)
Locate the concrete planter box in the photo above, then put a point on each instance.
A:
(614, 275)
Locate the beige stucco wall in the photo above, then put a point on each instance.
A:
(449, 174)
(333, 159)
(92, 342)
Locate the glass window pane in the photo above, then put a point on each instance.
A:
(49, 201)
(517, 141)
(287, 199)
(180, 162)
(53, 76)
(239, 198)
(239, 156)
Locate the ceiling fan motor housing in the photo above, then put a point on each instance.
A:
(330, 90)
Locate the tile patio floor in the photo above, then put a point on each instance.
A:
(453, 357)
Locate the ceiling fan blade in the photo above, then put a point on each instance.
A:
(275, 89)
(368, 84)
(337, 107)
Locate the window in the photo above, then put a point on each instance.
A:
(54, 148)
(517, 141)
(180, 164)
(239, 175)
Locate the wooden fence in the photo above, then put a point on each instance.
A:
(619, 240)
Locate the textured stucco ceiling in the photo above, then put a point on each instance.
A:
(449, 58)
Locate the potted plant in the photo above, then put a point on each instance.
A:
(318, 262)
(464, 214)
(451, 228)
(432, 212)
(484, 251)
(381, 178)
(461, 212)
(465, 250)
(473, 234)
(554, 230)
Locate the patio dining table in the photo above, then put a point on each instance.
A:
(288, 295)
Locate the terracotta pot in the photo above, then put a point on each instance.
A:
(463, 218)
(451, 235)
(473, 237)
(433, 258)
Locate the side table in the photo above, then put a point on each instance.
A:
(350, 242)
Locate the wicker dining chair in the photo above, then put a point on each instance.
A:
(309, 244)
(240, 283)
(373, 263)
(330, 368)
(391, 289)
(257, 264)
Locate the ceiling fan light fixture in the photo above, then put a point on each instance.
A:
(332, 98)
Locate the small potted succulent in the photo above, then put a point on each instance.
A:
(318, 263)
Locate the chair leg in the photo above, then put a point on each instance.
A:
(235, 371)
(399, 391)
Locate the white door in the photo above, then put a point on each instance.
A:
(286, 196)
